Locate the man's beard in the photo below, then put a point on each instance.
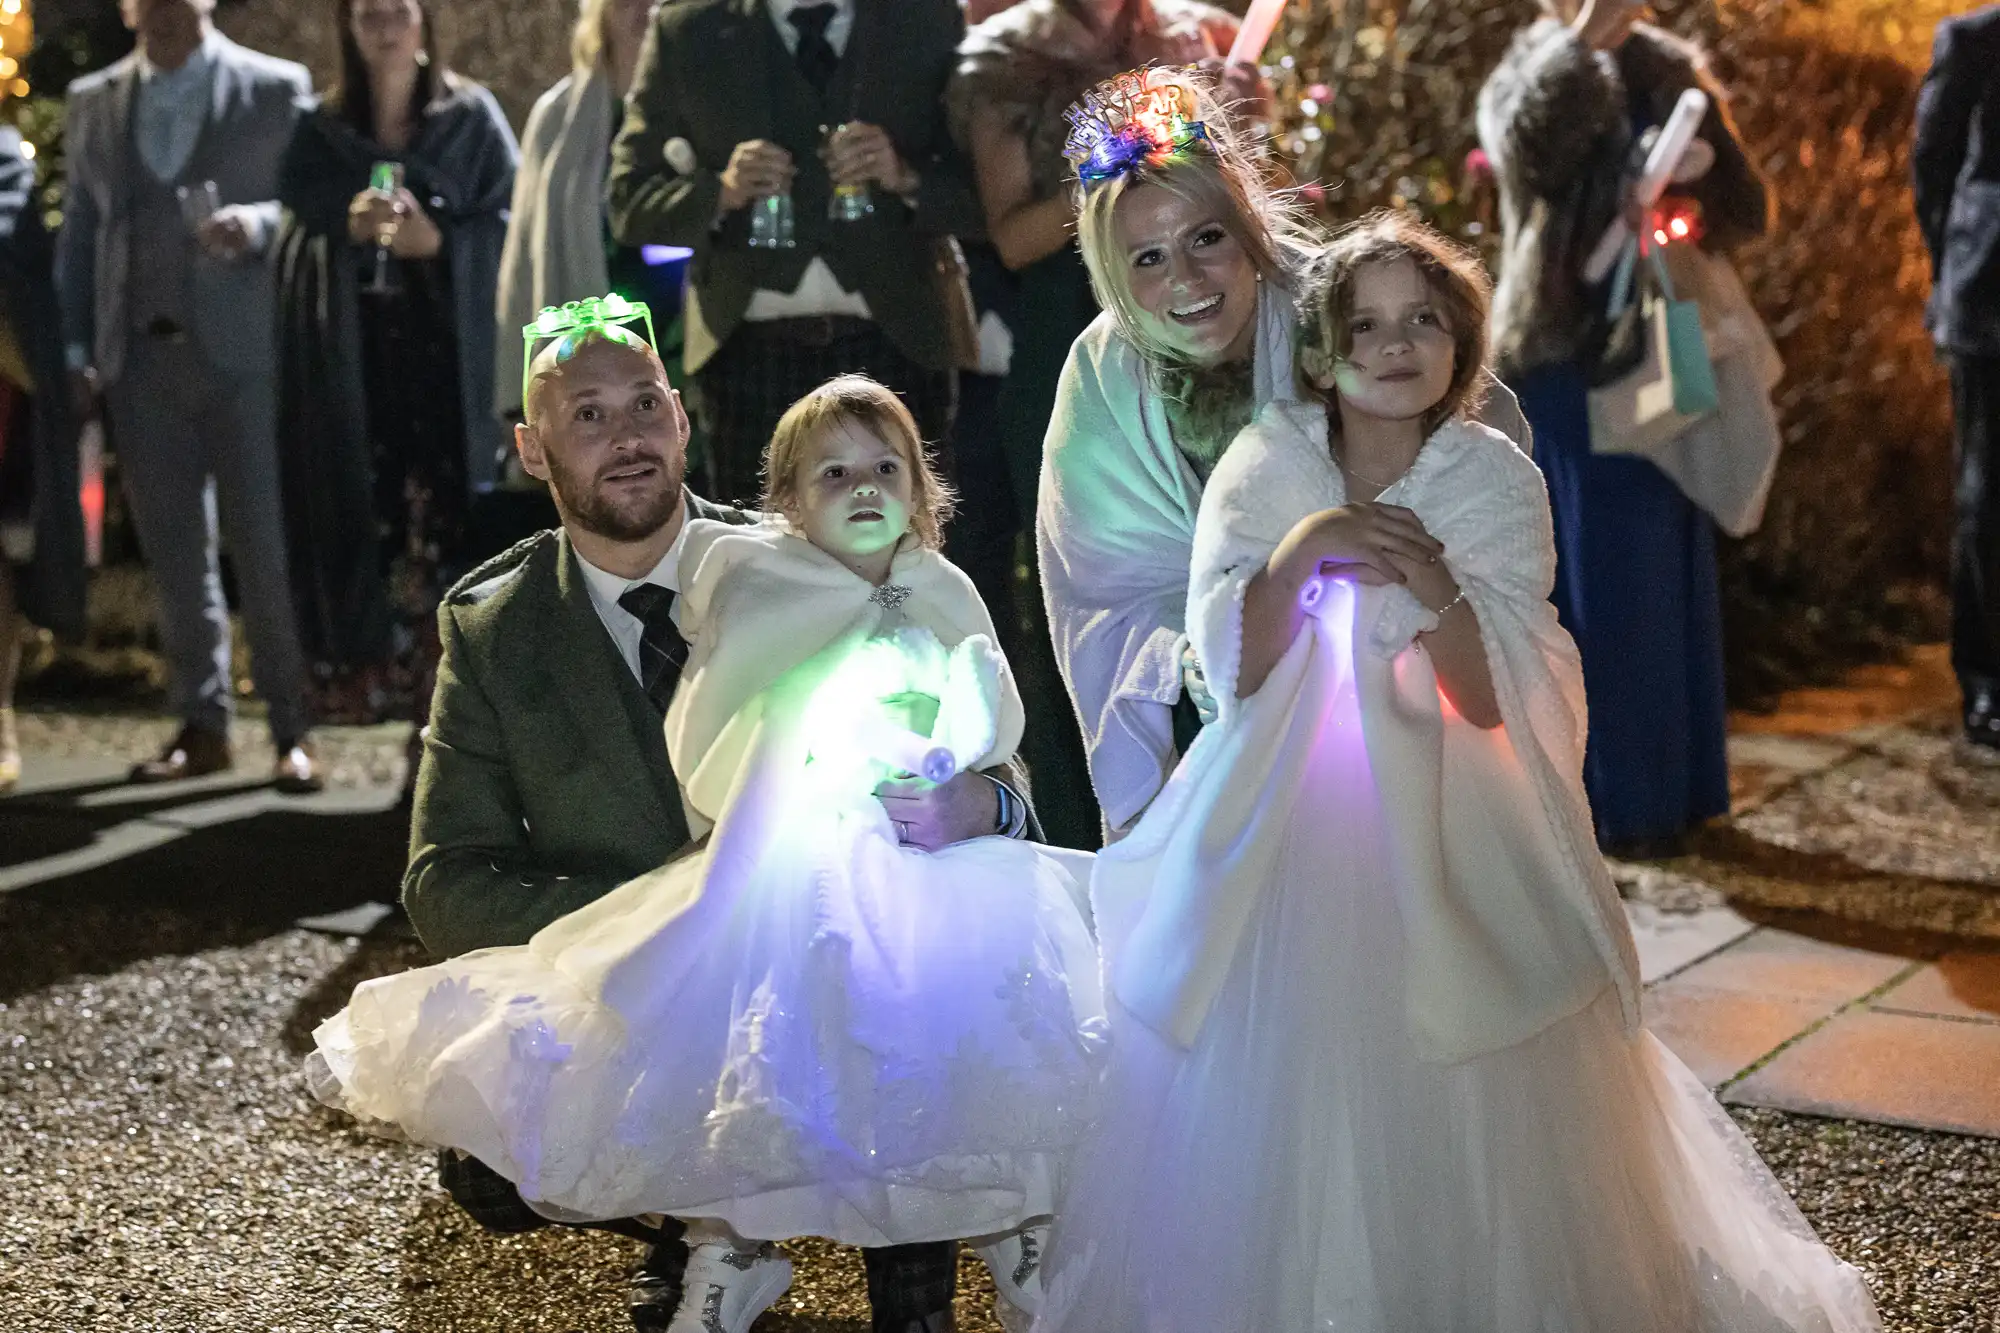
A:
(585, 507)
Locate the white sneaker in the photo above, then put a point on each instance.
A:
(1015, 1261)
(727, 1288)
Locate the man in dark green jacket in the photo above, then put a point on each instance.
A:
(740, 104)
(545, 780)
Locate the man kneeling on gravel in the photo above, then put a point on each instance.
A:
(545, 781)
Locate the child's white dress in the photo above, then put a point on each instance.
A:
(1377, 1065)
(804, 1028)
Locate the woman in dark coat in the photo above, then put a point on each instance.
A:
(386, 397)
(41, 524)
(1562, 119)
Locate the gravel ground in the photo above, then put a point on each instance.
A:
(1915, 801)
(164, 1169)
(1903, 835)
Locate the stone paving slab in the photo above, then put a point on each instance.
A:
(1960, 986)
(1890, 1068)
(1750, 997)
(1671, 941)
(1869, 698)
(1779, 964)
(1719, 1034)
(1779, 1020)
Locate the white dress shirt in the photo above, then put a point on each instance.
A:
(818, 292)
(837, 31)
(605, 589)
(170, 108)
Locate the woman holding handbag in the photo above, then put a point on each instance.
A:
(1563, 118)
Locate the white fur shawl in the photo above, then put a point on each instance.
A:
(1510, 917)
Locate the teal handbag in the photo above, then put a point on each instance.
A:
(1695, 393)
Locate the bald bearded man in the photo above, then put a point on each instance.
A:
(545, 780)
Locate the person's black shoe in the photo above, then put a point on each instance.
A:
(654, 1291)
(1982, 715)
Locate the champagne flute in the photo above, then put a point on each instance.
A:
(385, 180)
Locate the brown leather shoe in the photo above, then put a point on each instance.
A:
(298, 772)
(195, 753)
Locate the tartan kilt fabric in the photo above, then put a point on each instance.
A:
(767, 366)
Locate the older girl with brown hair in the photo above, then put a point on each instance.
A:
(1376, 1062)
(1195, 259)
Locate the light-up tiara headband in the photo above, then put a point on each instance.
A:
(1141, 118)
(600, 317)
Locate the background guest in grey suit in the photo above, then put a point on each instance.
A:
(166, 303)
(1957, 162)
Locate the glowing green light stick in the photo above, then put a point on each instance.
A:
(601, 317)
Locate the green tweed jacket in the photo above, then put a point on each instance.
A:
(533, 799)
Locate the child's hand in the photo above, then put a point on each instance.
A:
(1431, 583)
(1364, 543)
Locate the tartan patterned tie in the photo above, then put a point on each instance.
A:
(662, 650)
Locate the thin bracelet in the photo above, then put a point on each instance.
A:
(1440, 612)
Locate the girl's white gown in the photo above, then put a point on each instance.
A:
(1376, 1065)
(805, 1028)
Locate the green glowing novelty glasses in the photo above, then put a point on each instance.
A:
(569, 325)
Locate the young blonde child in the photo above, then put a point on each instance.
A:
(810, 1027)
(1377, 1063)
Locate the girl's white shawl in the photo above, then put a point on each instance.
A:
(1510, 918)
(768, 617)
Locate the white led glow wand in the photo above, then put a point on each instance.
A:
(901, 748)
(1661, 163)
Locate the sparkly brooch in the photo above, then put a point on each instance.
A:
(890, 596)
(1141, 118)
